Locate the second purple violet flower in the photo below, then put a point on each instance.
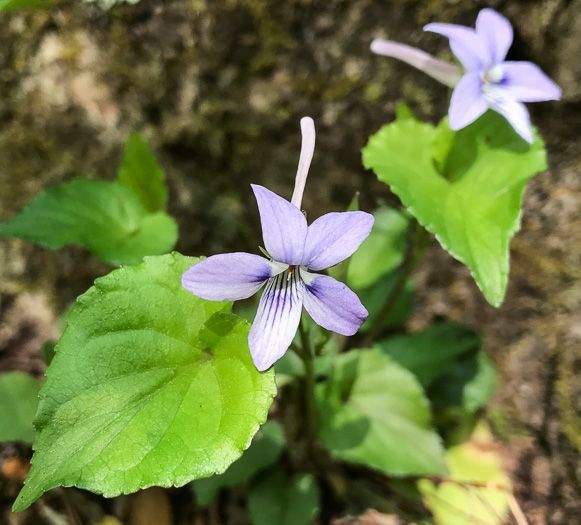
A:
(490, 81)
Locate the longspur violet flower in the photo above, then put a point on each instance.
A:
(489, 82)
(297, 250)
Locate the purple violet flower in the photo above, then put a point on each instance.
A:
(489, 80)
(296, 250)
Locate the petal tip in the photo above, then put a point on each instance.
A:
(186, 277)
(262, 360)
(257, 187)
(376, 44)
(488, 11)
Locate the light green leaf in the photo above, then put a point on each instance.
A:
(277, 499)
(107, 218)
(429, 353)
(140, 171)
(146, 388)
(19, 401)
(460, 502)
(372, 411)
(466, 187)
(382, 251)
(266, 448)
(11, 5)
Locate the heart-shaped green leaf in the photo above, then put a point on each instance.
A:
(107, 218)
(372, 411)
(150, 385)
(466, 187)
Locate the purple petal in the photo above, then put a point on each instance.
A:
(284, 226)
(495, 32)
(227, 277)
(464, 43)
(525, 82)
(277, 319)
(333, 305)
(334, 237)
(447, 74)
(467, 102)
(515, 112)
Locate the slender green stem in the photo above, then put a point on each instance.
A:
(307, 356)
(416, 244)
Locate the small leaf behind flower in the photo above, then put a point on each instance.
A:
(141, 172)
(382, 251)
(135, 398)
(107, 218)
(373, 298)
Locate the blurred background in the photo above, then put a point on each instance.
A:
(217, 88)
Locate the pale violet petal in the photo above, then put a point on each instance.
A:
(284, 226)
(525, 82)
(307, 151)
(515, 112)
(227, 277)
(277, 319)
(467, 102)
(465, 44)
(333, 305)
(334, 237)
(447, 74)
(495, 32)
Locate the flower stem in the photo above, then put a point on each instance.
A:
(311, 425)
(416, 244)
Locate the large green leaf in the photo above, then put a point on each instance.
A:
(150, 385)
(429, 353)
(282, 500)
(372, 411)
(382, 251)
(107, 218)
(19, 400)
(11, 5)
(466, 187)
(266, 448)
(140, 171)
